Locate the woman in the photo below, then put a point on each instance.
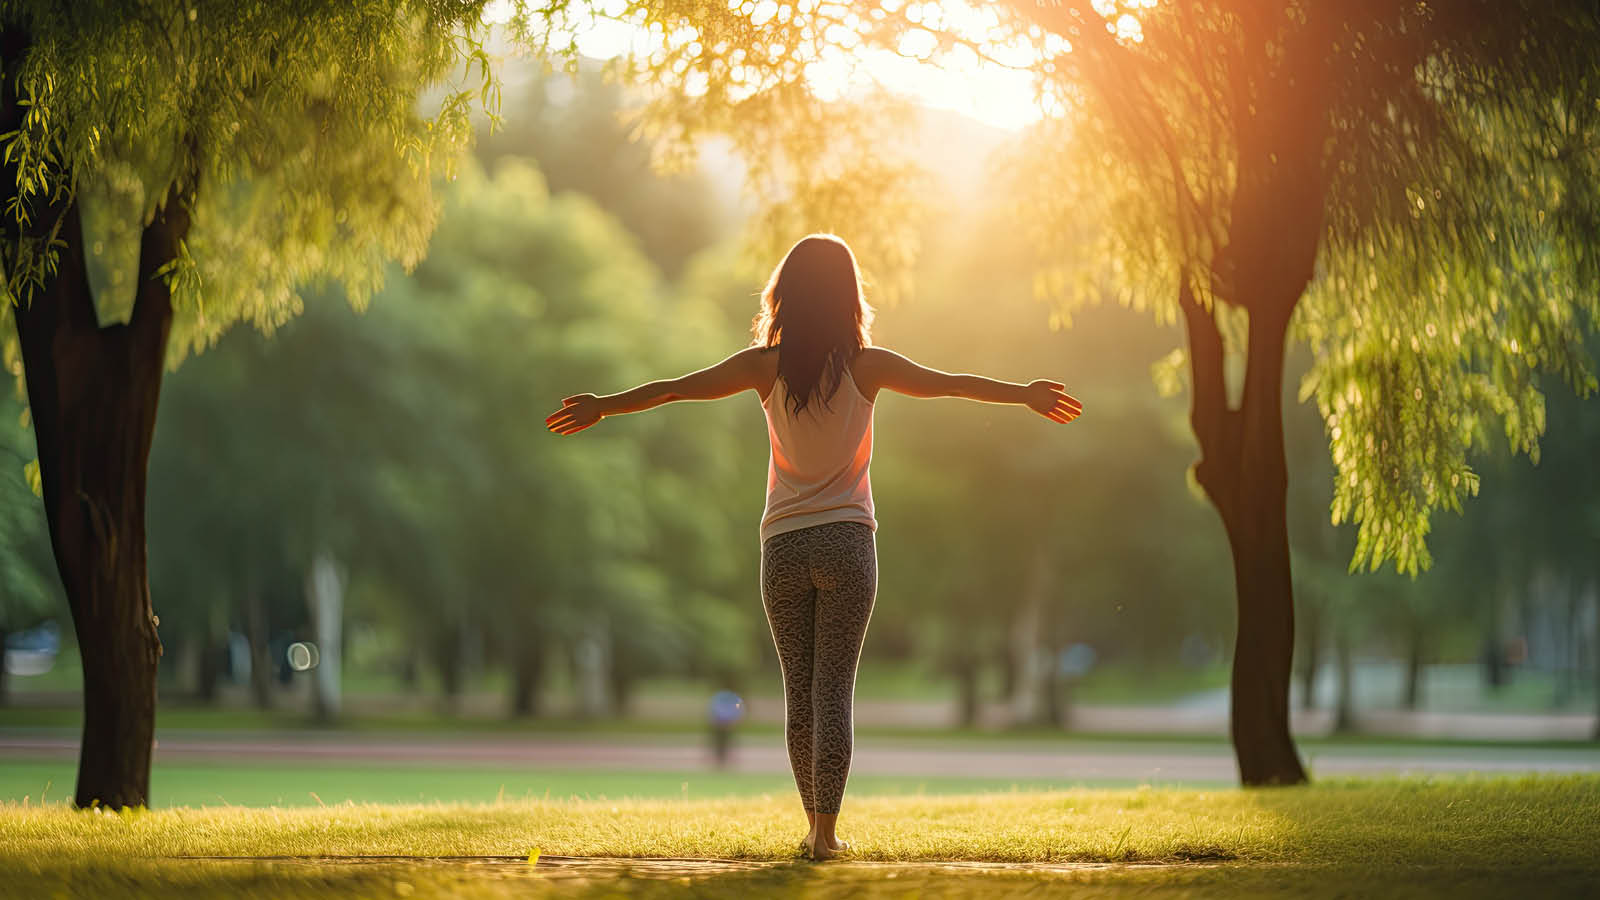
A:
(817, 374)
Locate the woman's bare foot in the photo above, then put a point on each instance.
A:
(818, 851)
(835, 845)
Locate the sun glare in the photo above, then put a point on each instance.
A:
(994, 84)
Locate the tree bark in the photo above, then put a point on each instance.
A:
(1245, 474)
(92, 391)
(92, 394)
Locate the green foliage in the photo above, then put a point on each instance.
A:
(1455, 189)
(408, 441)
(291, 130)
(1457, 259)
(813, 163)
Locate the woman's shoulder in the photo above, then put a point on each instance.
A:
(871, 360)
(868, 367)
(763, 366)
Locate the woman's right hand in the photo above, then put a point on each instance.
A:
(576, 413)
(1051, 400)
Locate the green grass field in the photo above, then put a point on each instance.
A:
(1466, 837)
(242, 783)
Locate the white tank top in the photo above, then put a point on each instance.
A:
(817, 473)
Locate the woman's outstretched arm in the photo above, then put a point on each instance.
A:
(739, 372)
(878, 368)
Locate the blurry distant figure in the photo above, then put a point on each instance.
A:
(817, 374)
(727, 708)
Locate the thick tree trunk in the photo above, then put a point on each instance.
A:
(92, 394)
(1244, 472)
(92, 391)
(1262, 659)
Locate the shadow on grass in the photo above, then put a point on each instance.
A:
(482, 879)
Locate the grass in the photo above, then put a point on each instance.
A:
(1459, 837)
(250, 783)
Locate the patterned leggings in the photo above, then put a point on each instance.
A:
(817, 585)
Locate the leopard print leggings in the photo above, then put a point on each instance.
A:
(817, 585)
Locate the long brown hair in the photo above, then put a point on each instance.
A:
(814, 311)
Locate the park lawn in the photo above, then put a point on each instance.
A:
(253, 783)
(1462, 837)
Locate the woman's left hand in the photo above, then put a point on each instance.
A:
(576, 413)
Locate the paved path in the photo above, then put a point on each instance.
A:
(1068, 760)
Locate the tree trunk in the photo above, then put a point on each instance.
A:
(591, 666)
(1567, 672)
(1243, 471)
(621, 692)
(1494, 653)
(1311, 643)
(527, 674)
(1010, 672)
(92, 393)
(325, 595)
(447, 655)
(1415, 648)
(257, 632)
(967, 692)
(1597, 659)
(209, 671)
(1057, 698)
(1344, 718)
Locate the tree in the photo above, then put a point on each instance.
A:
(1421, 175)
(222, 156)
(1416, 175)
